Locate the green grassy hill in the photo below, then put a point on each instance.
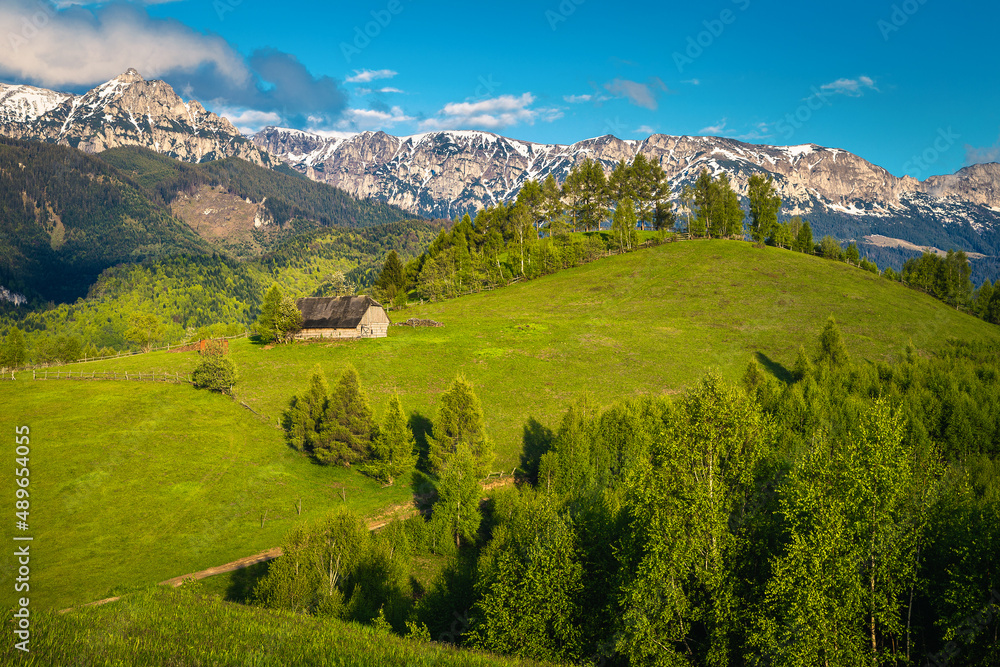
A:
(146, 628)
(135, 483)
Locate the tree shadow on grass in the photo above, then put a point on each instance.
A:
(775, 369)
(537, 440)
(243, 581)
(421, 427)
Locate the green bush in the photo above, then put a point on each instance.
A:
(216, 373)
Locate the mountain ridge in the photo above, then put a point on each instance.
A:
(124, 111)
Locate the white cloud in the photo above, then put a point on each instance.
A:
(643, 95)
(983, 155)
(391, 90)
(851, 87)
(577, 99)
(250, 121)
(491, 114)
(693, 82)
(62, 4)
(722, 129)
(359, 120)
(714, 130)
(645, 129)
(80, 46)
(367, 75)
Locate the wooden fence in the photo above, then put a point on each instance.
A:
(120, 355)
(126, 376)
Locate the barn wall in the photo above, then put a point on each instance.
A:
(308, 334)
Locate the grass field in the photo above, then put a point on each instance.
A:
(137, 482)
(185, 627)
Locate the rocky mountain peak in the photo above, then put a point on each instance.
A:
(131, 75)
(129, 110)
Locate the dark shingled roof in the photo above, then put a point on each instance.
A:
(344, 312)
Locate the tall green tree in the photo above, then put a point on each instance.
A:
(705, 201)
(530, 580)
(393, 278)
(764, 206)
(730, 212)
(832, 351)
(804, 239)
(145, 330)
(587, 188)
(552, 204)
(279, 317)
(852, 255)
(691, 510)
(623, 225)
(830, 248)
(14, 352)
(393, 448)
(983, 297)
(456, 510)
(854, 510)
(305, 413)
(347, 426)
(532, 199)
(459, 421)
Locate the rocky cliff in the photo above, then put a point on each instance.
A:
(125, 111)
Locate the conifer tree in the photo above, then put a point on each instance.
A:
(459, 422)
(803, 366)
(456, 510)
(347, 427)
(832, 351)
(552, 203)
(393, 450)
(305, 414)
(804, 239)
(392, 279)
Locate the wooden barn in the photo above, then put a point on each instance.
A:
(342, 317)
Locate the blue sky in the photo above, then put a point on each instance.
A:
(911, 85)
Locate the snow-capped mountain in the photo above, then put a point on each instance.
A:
(445, 174)
(125, 111)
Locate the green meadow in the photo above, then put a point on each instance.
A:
(133, 483)
(184, 627)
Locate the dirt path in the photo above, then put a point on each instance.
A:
(401, 511)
